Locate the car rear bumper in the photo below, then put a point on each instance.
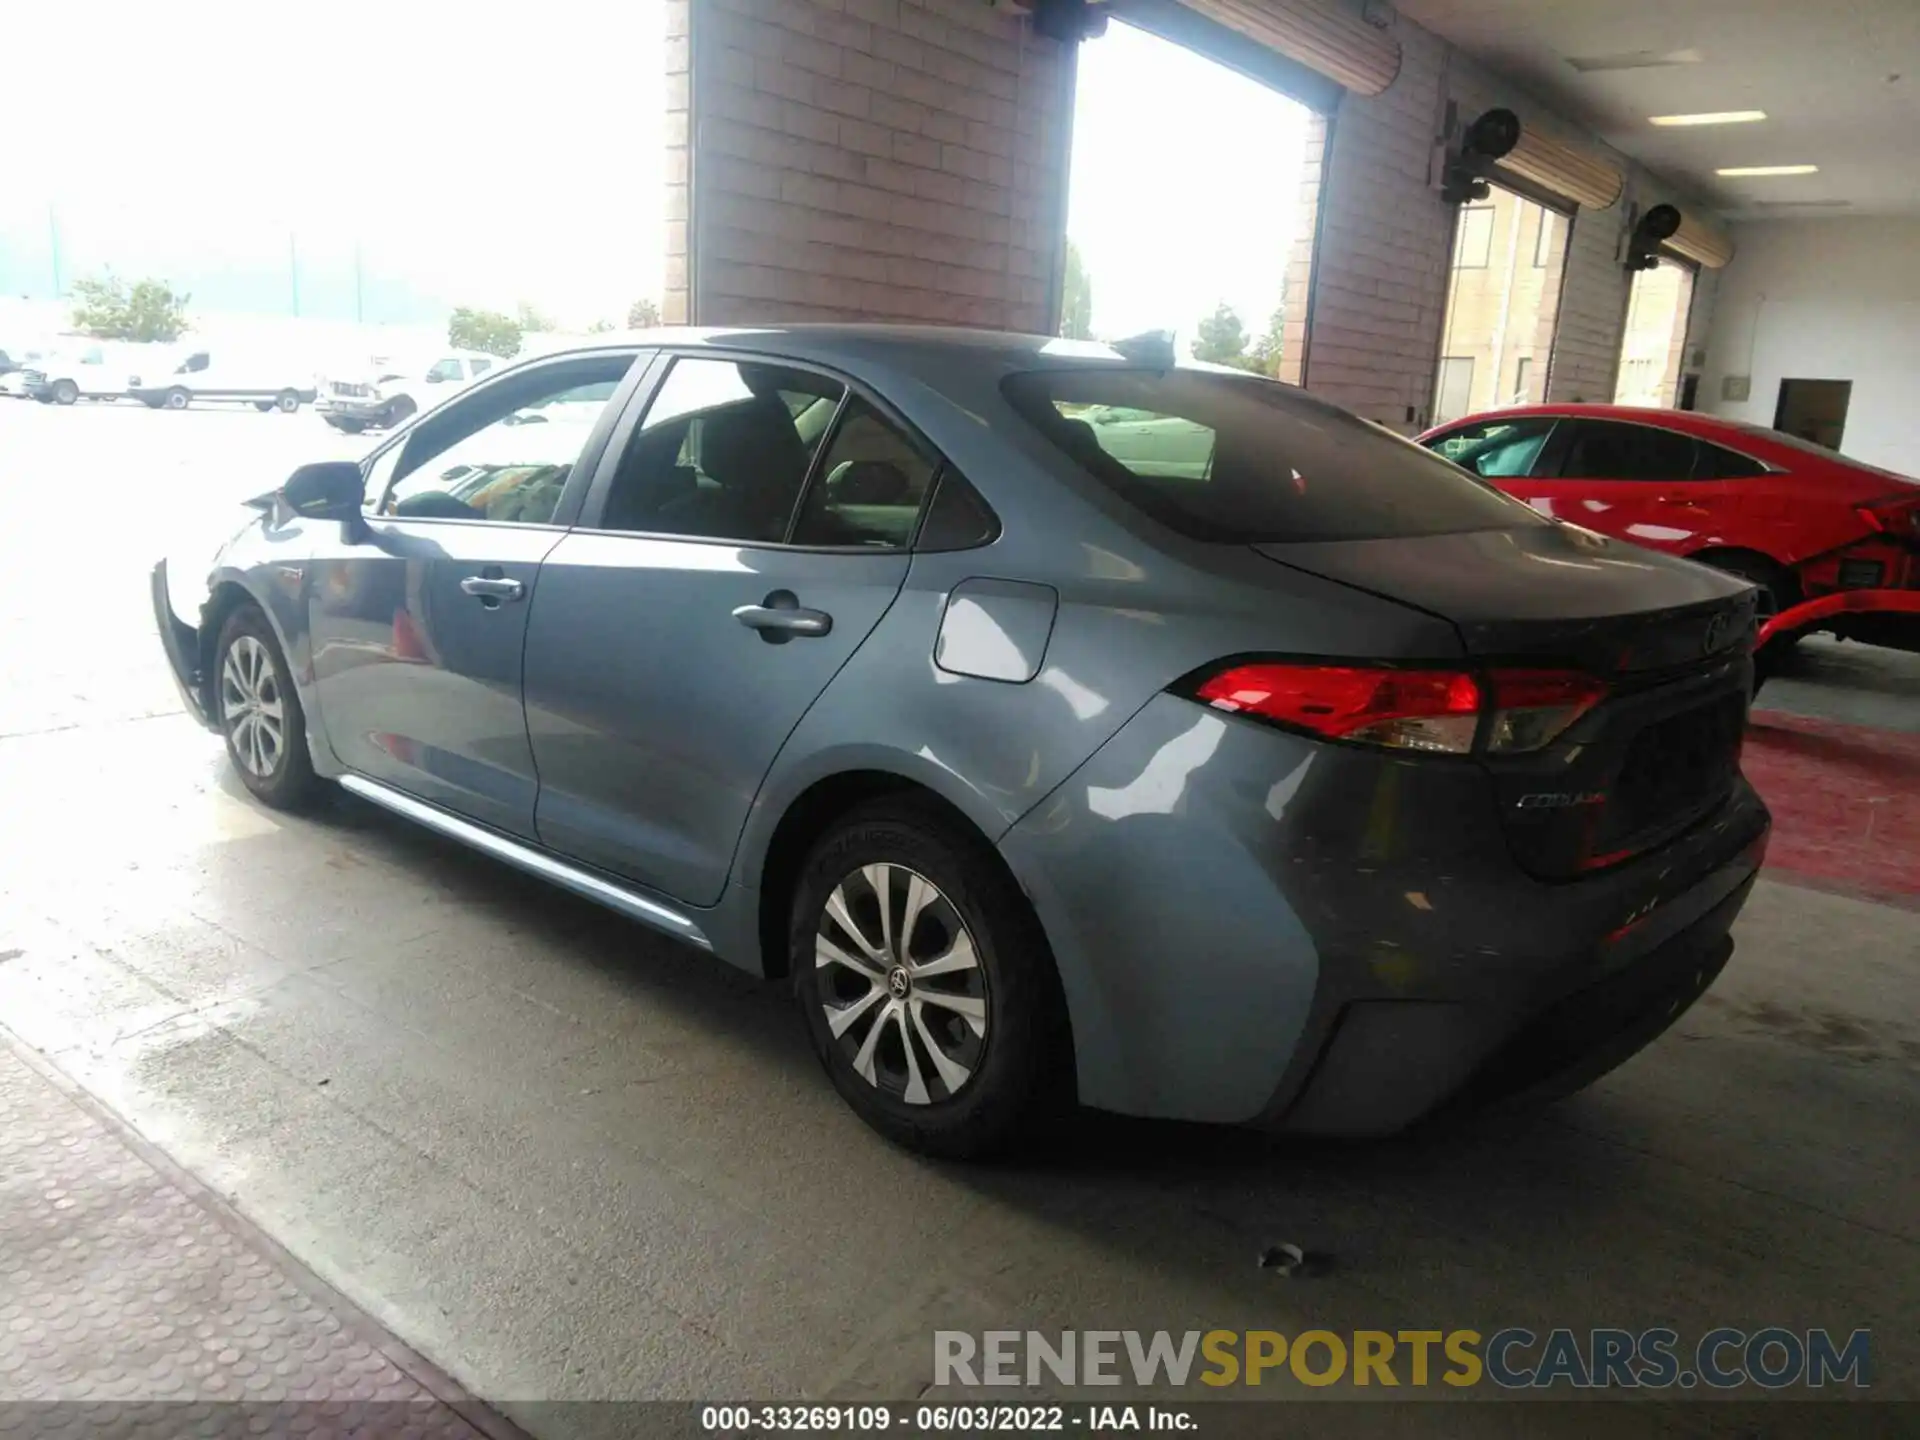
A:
(1875, 617)
(182, 645)
(1254, 927)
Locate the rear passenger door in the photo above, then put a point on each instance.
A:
(1625, 479)
(733, 553)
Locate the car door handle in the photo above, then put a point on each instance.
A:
(490, 587)
(780, 617)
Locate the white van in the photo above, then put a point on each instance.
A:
(80, 370)
(225, 377)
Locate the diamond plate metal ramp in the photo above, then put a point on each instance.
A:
(135, 1302)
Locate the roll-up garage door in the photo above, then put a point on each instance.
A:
(1318, 34)
(1700, 242)
(1563, 168)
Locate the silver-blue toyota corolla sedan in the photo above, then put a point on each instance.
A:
(1064, 721)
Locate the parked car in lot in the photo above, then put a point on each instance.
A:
(1794, 518)
(202, 376)
(1319, 791)
(13, 368)
(391, 394)
(87, 370)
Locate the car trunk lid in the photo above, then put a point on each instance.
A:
(1673, 641)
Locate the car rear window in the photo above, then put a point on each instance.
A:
(1227, 458)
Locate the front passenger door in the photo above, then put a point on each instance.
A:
(730, 560)
(418, 626)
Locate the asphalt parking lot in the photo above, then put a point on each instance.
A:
(567, 1160)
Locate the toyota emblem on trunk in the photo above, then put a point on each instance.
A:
(1716, 634)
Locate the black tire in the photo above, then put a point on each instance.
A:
(346, 427)
(399, 412)
(265, 407)
(1778, 590)
(288, 782)
(65, 392)
(286, 402)
(1021, 1070)
(177, 399)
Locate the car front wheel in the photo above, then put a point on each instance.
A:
(65, 392)
(260, 714)
(929, 993)
(177, 399)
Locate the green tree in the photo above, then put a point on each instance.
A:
(1268, 348)
(486, 330)
(1076, 297)
(643, 315)
(106, 307)
(1222, 339)
(532, 322)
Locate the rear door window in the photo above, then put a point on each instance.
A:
(1240, 459)
(1613, 450)
(868, 487)
(1717, 463)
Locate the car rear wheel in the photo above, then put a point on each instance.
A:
(1775, 583)
(286, 402)
(928, 990)
(177, 399)
(65, 392)
(259, 713)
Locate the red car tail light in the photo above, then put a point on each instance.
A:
(1897, 515)
(1437, 711)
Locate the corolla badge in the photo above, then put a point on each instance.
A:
(1560, 799)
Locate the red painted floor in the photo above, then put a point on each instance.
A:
(1845, 800)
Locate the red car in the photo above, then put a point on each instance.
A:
(1798, 520)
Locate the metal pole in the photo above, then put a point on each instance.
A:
(359, 313)
(53, 230)
(293, 269)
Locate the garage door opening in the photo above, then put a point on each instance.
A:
(1503, 305)
(1653, 347)
(1190, 187)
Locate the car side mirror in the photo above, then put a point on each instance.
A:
(326, 490)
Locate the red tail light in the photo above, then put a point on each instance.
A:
(1897, 515)
(1431, 710)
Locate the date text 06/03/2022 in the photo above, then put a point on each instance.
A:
(970, 1419)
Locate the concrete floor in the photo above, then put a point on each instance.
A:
(565, 1159)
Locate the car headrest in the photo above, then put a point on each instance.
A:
(753, 446)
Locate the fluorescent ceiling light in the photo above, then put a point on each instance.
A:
(1752, 172)
(1633, 60)
(1712, 117)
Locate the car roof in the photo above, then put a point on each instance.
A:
(913, 348)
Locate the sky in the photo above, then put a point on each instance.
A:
(1186, 177)
(473, 156)
(391, 160)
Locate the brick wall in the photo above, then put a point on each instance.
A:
(1380, 277)
(907, 160)
(871, 159)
